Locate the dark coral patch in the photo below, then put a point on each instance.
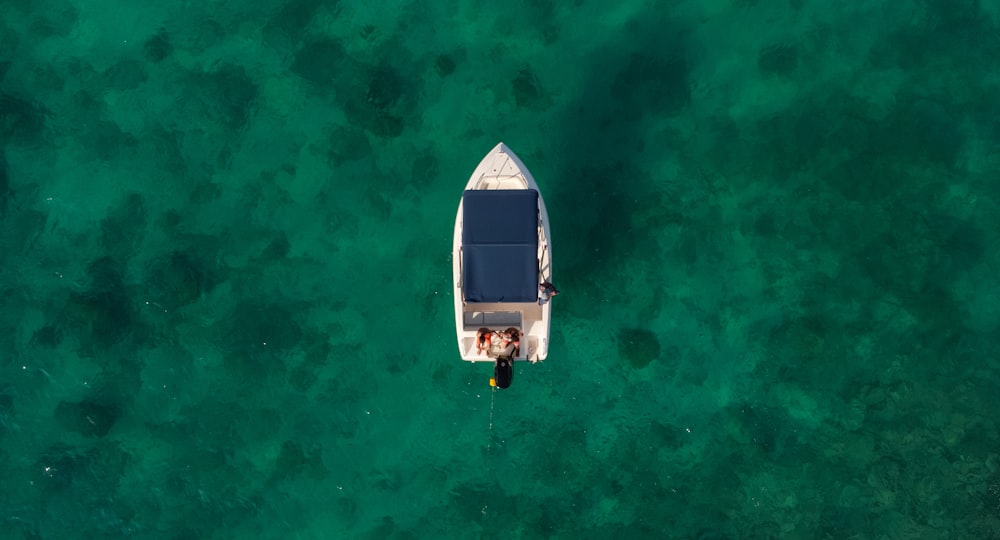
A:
(424, 170)
(179, 278)
(385, 86)
(158, 47)
(445, 65)
(319, 62)
(638, 346)
(103, 313)
(88, 417)
(235, 94)
(58, 465)
(526, 91)
(123, 228)
(21, 120)
(650, 83)
(778, 59)
(47, 336)
(126, 74)
(347, 143)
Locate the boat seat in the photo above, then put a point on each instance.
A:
(529, 345)
(477, 319)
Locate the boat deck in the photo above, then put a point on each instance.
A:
(525, 316)
(529, 346)
(501, 182)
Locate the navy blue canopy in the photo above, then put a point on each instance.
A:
(500, 245)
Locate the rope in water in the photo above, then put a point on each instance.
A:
(489, 451)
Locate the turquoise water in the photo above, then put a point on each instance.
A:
(227, 298)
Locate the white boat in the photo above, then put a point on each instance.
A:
(501, 255)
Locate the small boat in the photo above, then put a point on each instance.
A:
(501, 260)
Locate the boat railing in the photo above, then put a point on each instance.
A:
(461, 275)
(543, 267)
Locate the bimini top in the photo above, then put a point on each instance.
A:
(500, 245)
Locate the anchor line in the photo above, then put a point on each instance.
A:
(489, 451)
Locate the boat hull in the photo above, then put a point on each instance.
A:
(501, 171)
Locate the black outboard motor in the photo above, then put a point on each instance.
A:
(503, 371)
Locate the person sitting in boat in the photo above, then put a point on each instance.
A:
(512, 342)
(484, 338)
(545, 292)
